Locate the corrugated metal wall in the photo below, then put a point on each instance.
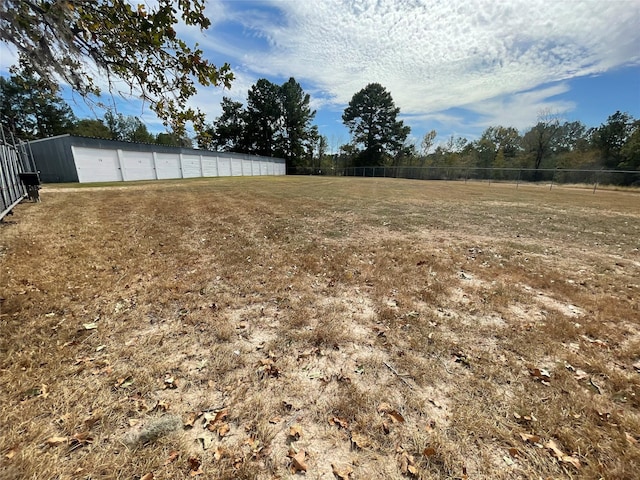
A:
(12, 190)
(80, 159)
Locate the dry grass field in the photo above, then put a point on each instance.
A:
(334, 328)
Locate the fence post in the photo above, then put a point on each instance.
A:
(552, 179)
(595, 185)
(518, 180)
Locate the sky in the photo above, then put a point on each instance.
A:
(455, 66)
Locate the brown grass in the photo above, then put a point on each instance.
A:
(406, 329)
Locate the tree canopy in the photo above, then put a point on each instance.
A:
(277, 121)
(63, 40)
(31, 108)
(371, 119)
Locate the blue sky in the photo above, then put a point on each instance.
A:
(456, 66)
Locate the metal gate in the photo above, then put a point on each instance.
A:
(14, 160)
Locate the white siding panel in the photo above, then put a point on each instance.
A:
(168, 165)
(137, 165)
(246, 167)
(236, 167)
(96, 164)
(209, 166)
(224, 167)
(191, 166)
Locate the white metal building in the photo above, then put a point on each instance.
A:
(68, 158)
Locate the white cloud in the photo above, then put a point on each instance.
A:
(434, 55)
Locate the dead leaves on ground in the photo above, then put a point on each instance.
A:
(386, 409)
(341, 473)
(550, 445)
(298, 463)
(560, 455)
(295, 432)
(267, 368)
(541, 375)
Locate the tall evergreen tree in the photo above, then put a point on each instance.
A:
(31, 109)
(264, 117)
(296, 137)
(228, 133)
(371, 117)
(277, 121)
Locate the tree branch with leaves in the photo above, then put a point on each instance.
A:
(58, 40)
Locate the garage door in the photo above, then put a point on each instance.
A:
(96, 165)
(168, 165)
(137, 165)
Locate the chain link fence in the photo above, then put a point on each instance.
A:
(507, 175)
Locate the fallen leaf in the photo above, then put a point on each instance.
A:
(221, 415)
(148, 476)
(275, 420)
(11, 453)
(560, 455)
(429, 452)
(99, 348)
(339, 422)
(341, 472)
(267, 368)
(173, 455)
(394, 414)
(191, 418)
(530, 438)
(630, 438)
(55, 441)
(295, 431)
(572, 460)
(514, 452)
(124, 382)
(396, 417)
(539, 373)
(359, 441)
(194, 466)
(82, 438)
(407, 463)
(223, 429)
(507, 460)
(297, 461)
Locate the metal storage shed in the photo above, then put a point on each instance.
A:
(68, 158)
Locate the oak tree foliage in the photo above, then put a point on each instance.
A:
(62, 40)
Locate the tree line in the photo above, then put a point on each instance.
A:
(277, 120)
